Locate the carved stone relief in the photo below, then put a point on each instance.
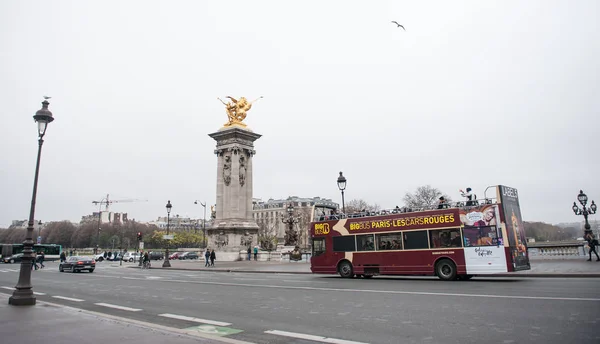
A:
(243, 169)
(227, 169)
(221, 240)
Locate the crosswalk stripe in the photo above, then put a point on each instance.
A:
(198, 320)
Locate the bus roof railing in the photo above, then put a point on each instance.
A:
(403, 210)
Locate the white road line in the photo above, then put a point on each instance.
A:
(9, 288)
(68, 298)
(118, 307)
(38, 293)
(198, 320)
(312, 337)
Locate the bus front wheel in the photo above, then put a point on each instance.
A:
(445, 270)
(345, 269)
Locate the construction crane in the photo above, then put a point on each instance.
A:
(107, 201)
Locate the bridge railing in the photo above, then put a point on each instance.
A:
(557, 250)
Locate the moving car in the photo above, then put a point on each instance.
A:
(175, 255)
(15, 258)
(156, 256)
(189, 255)
(77, 263)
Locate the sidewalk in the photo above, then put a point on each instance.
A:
(539, 267)
(53, 324)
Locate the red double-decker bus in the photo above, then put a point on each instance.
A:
(458, 242)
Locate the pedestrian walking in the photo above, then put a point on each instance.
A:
(213, 256)
(41, 259)
(249, 252)
(207, 258)
(255, 253)
(592, 242)
(63, 257)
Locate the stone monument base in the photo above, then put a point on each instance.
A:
(231, 237)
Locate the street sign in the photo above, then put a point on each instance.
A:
(141, 245)
(168, 237)
(39, 240)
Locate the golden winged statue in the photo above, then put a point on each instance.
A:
(236, 110)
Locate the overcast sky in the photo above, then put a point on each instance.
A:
(471, 94)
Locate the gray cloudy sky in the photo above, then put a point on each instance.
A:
(471, 94)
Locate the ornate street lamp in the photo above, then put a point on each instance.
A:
(290, 238)
(166, 262)
(203, 221)
(341, 182)
(23, 294)
(584, 210)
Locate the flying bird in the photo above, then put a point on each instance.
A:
(395, 22)
(46, 97)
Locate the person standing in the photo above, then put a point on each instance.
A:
(249, 252)
(255, 253)
(592, 242)
(63, 257)
(469, 196)
(207, 258)
(213, 256)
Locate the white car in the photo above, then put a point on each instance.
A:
(131, 256)
(99, 257)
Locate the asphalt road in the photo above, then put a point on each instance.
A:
(289, 308)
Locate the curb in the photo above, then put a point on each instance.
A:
(528, 275)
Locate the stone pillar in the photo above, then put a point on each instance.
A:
(234, 227)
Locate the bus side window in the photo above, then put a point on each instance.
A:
(366, 242)
(318, 246)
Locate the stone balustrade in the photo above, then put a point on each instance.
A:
(557, 250)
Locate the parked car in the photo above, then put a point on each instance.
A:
(15, 258)
(78, 263)
(131, 256)
(156, 255)
(188, 255)
(114, 258)
(175, 255)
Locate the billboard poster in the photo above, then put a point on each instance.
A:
(480, 226)
(514, 227)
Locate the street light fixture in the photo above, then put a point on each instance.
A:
(585, 211)
(167, 263)
(23, 294)
(341, 182)
(203, 221)
(290, 237)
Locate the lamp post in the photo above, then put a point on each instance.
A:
(341, 182)
(167, 263)
(99, 222)
(584, 210)
(203, 221)
(290, 221)
(39, 232)
(23, 294)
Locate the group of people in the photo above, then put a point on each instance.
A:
(209, 258)
(39, 259)
(255, 252)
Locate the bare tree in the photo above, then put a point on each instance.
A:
(267, 235)
(357, 205)
(424, 196)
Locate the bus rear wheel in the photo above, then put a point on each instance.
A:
(345, 269)
(445, 270)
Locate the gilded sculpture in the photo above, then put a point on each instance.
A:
(236, 110)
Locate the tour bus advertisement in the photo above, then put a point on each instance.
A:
(426, 219)
(481, 226)
(514, 226)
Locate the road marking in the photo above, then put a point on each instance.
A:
(9, 288)
(198, 320)
(68, 298)
(485, 296)
(38, 293)
(118, 307)
(312, 337)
